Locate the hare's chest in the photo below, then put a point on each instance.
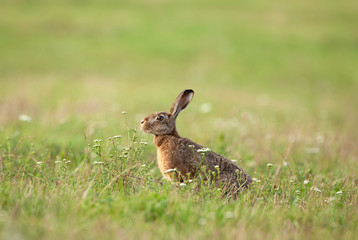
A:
(170, 159)
(165, 161)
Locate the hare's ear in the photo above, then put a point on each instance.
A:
(181, 102)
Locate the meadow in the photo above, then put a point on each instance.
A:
(275, 89)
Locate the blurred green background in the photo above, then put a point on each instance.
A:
(258, 68)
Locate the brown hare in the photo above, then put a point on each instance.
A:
(180, 158)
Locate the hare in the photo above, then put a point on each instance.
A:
(187, 157)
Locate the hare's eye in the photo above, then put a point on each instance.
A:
(160, 118)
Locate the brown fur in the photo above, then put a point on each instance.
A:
(174, 152)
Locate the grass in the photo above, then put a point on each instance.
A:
(275, 90)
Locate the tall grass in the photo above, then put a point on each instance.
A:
(112, 191)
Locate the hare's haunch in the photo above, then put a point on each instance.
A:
(176, 152)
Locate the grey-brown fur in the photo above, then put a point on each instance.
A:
(175, 152)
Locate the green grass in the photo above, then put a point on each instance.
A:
(280, 78)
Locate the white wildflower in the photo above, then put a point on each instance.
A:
(316, 189)
(96, 146)
(269, 165)
(297, 192)
(229, 215)
(191, 146)
(305, 182)
(234, 160)
(190, 180)
(285, 164)
(205, 108)
(202, 221)
(117, 136)
(312, 150)
(339, 193)
(143, 142)
(182, 184)
(330, 200)
(38, 162)
(203, 150)
(268, 136)
(25, 118)
(124, 112)
(97, 162)
(319, 138)
(144, 165)
(251, 164)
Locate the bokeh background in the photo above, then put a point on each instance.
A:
(260, 69)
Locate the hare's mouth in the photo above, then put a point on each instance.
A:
(147, 131)
(145, 128)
